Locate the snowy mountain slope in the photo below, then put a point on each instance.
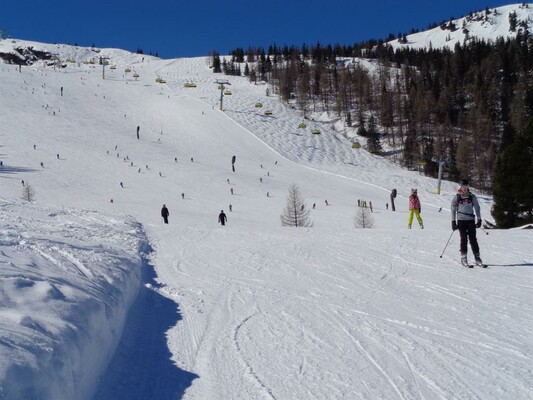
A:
(254, 310)
(480, 25)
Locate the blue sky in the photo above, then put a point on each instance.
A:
(177, 28)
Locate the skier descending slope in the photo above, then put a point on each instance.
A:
(465, 211)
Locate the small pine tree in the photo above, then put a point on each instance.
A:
(28, 193)
(296, 213)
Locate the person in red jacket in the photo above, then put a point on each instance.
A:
(414, 209)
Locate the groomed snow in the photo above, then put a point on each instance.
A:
(251, 310)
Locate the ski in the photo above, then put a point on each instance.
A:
(474, 265)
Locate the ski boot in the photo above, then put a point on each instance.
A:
(464, 261)
(478, 260)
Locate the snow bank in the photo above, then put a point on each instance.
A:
(67, 279)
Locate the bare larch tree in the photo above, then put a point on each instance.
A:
(296, 213)
(363, 218)
(28, 193)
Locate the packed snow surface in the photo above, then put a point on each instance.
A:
(250, 310)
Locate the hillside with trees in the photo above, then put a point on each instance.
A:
(460, 106)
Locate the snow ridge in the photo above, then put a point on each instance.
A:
(66, 283)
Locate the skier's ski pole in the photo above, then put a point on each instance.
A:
(486, 233)
(447, 244)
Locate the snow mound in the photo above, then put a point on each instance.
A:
(67, 279)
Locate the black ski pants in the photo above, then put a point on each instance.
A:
(467, 230)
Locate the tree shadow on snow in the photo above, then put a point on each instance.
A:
(525, 264)
(142, 367)
(11, 169)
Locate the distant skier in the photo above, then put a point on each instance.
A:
(231, 190)
(222, 218)
(326, 202)
(138, 129)
(165, 213)
(370, 204)
(414, 209)
(314, 205)
(61, 91)
(121, 185)
(465, 212)
(183, 195)
(230, 208)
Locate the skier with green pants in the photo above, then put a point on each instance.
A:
(414, 209)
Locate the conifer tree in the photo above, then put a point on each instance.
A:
(374, 140)
(513, 182)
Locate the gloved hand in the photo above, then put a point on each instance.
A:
(478, 223)
(454, 226)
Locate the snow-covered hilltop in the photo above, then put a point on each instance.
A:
(26, 52)
(488, 25)
(246, 311)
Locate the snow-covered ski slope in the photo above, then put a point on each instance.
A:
(251, 310)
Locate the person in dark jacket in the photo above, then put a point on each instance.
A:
(165, 213)
(465, 212)
(222, 218)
